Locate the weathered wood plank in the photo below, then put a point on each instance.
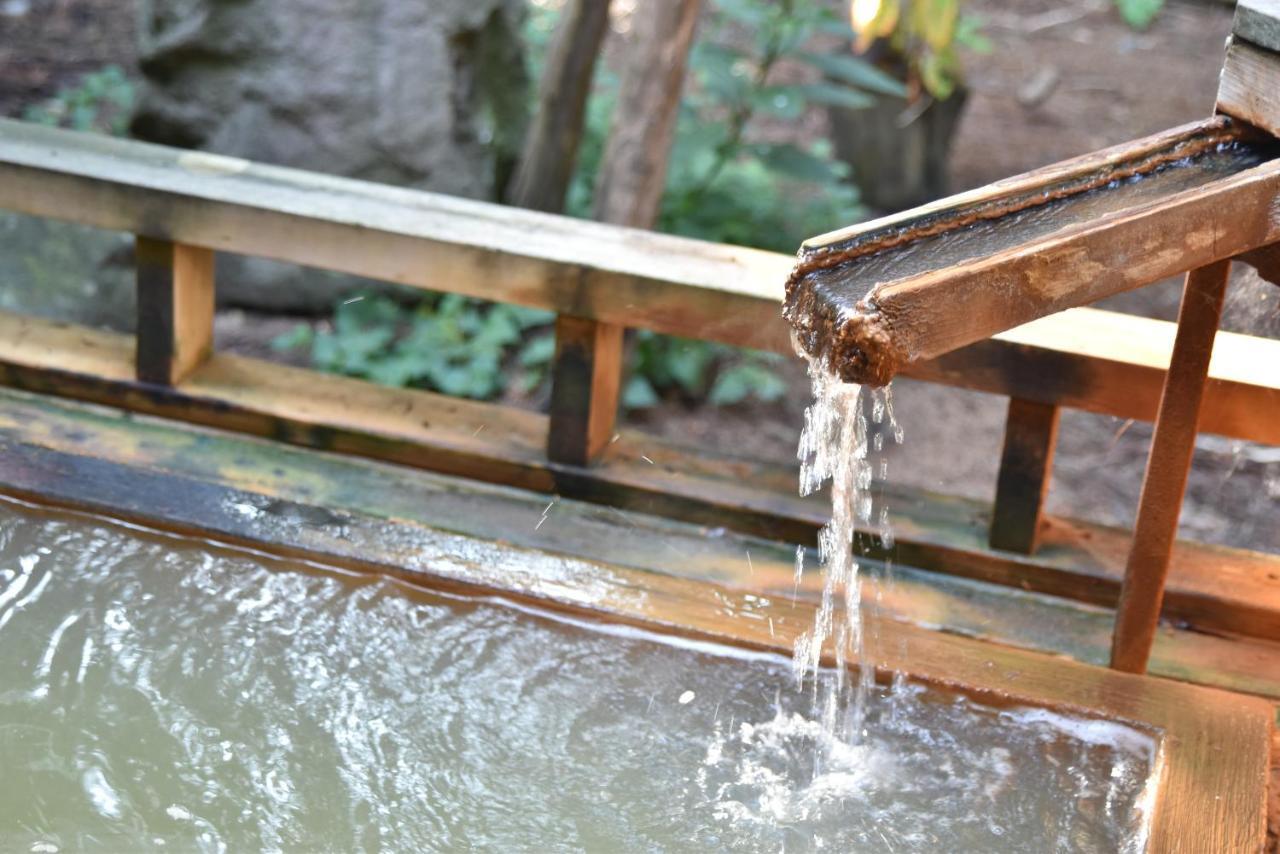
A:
(1114, 364)
(1249, 88)
(1168, 465)
(604, 534)
(175, 309)
(1211, 742)
(869, 301)
(684, 287)
(617, 275)
(1214, 588)
(1026, 465)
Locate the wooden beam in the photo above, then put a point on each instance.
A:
(1115, 364)
(874, 297)
(1026, 465)
(175, 309)
(1210, 587)
(1213, 745)
(1168, 465)
(1083, 358)
(637, 279)
(587, 370)
(1249, 87)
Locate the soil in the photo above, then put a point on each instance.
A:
(1062, 79)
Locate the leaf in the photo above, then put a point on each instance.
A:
(935, 77)
(798, 164)
(835, 95)
(785, 102)
(299, 336)
(1139, 13)
(743, 11)
(880, 25)
(848, 68)
(538, 351)
(639, 394)
(935, 20)
(737, 383)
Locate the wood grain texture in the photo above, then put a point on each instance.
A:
(868, 320)
(570, 266)
(1249, 88)
(1168, 465)
(175, 309)
(1213, 746)
(1086, 359)
(1214, 588)
(1026, 465)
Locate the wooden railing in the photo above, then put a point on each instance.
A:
(183, 206)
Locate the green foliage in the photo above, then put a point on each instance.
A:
(101, 102)
(1139, 13)
(450, 344)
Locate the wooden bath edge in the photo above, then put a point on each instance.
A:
(1213, 745)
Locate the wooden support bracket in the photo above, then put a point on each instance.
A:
(1169, 463)
(585, 377)
(175, 309)
(1030, 434)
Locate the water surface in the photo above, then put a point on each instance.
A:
(160, 694)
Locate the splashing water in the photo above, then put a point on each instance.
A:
(834, 448)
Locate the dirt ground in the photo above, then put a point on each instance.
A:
(1062, 79)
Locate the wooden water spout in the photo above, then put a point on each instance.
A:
(871, 299)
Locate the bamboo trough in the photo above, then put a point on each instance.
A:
(160, 429)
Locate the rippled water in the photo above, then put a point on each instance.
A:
(161, 694)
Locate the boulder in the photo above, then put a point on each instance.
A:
(420, 93)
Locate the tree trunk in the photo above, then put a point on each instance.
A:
(551, 147)
(634, 170)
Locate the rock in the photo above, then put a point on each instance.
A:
(420, 93)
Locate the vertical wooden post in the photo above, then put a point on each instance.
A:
(1026, 465)
(587, 370)
(584, 395)
(1169, 462)
(175, 309)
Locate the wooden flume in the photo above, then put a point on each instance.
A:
(873, 298)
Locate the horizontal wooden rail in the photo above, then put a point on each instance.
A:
(1083, 358)
(1212, 588)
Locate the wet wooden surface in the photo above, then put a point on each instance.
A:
(1213, 588)
(924, 311)
(1214, 744)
